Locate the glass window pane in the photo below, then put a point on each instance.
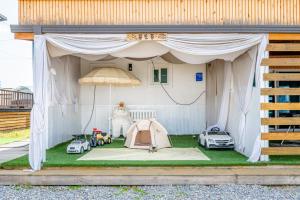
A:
(164, 75)
(155, 75)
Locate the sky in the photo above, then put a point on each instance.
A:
(15, 55)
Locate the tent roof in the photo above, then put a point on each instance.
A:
(109, 76)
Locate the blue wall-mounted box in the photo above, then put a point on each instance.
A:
(199, 76)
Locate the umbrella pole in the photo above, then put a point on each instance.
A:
(110, 110)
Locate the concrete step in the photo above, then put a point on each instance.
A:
(262, 175)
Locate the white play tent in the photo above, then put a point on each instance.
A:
(155, 135)
(235, 60)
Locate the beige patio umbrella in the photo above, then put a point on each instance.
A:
(110, 76)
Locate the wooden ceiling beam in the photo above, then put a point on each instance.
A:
(284, 36)
(24, 36)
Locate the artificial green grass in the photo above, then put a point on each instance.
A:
(13, 136)
(57, 157)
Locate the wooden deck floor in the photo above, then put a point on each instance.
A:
(266, 175)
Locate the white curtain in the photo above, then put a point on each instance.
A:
(223, 105)
(189, 48)
(256, 149)
(243, 76)
(63, 82)
(39, 113)
(243, 121)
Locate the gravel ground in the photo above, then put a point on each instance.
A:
(244, 192)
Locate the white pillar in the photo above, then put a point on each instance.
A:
(110, 111)
(264, 113)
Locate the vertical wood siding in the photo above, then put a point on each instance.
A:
(90, 12)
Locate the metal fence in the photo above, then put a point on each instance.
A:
(15, 100)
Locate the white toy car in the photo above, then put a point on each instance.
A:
(78, 146)
(216, 139)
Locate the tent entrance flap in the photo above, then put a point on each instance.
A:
(143, 138)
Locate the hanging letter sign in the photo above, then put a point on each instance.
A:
(146, 36)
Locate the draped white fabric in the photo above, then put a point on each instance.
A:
(244, 129)
(243, 70)
(256, 149)
(39, 113)
(189, 48)
(224, 104)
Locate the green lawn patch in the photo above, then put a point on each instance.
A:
(13, 136)
(57, 157)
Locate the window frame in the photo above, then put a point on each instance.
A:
(159, 67)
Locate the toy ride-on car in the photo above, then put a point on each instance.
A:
(79, 144)
(215, 138)
(99, 138)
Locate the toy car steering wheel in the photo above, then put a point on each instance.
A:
(215, 129)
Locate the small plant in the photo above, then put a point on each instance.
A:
(74, 187)
(139, 190)
(24, 186)
(122, 190)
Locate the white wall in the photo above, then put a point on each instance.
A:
(182, 86)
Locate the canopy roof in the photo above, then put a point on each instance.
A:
(184, 48)
(109, 76)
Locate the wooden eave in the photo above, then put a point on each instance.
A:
(28, 31)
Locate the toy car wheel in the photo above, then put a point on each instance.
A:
(109, 140)
(205, 145)
(100, 142)
(93, 143)
(81, 150)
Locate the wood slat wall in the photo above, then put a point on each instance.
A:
(281, 62)
(281, 136)
(14, 120)
(61, 12)
(281, 151)
(280, 91)
(281, 121)
(282, 76)
(284, 53)
(280, 106)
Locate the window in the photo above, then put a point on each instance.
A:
(160, 75)
(164, 75)
(155, 75)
